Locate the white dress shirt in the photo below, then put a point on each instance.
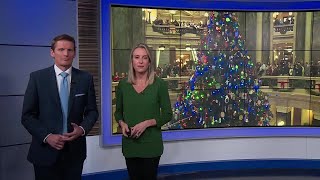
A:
(60, 78)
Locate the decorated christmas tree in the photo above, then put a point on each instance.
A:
(224, 90)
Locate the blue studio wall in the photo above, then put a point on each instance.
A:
(27, 28)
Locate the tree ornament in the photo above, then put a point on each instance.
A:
(226, 99)
(222, 114)
(259, 102)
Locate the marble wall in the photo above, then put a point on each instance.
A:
(266, 35)
(300, 35)
(242, 23)
(251, 34)
(315, 56)
(127, 31)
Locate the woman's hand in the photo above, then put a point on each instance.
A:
(124, 128)
(138, 129)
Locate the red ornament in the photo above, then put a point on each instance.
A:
(204, 59)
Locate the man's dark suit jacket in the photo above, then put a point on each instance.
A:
(42, 113)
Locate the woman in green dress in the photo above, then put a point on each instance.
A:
(142, 107)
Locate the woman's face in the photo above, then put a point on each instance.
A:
(140, 60)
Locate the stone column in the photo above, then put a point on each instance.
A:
(127, 31)
(315, 37)
(259, 46)
(297, 112)
(172, 55)
(164, 58)
(306, 117)
(250, 34)
(242, 23)
(266, 34)
(153, 55)
(300, 23)
(308, 37)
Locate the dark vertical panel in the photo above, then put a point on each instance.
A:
(127, 31)
(153, 56)
(266, 37)
(300, 35)
(137, 29)
(297, 117)
(121, 38)
(242, 23)
(172, 56)
(250, 34)
(89, 45)
(315, 37)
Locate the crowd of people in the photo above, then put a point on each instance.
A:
(286, 68)
(116, 77)
(174, 70)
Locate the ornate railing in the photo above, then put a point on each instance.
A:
(284, 28)
(177, 30)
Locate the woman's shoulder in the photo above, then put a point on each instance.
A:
(123, 82)
(158, 80)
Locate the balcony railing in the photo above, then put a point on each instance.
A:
(177, 30)
(284, 28)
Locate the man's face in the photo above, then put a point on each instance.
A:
(63, 54)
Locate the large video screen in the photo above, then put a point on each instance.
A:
(224, 69)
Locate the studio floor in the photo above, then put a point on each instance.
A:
(248, 178)
(269, 174)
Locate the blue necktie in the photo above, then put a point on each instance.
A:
(64, 98)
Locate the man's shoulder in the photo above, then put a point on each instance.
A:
(42, 71)
(51, 69)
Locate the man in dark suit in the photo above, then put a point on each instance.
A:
(59, 109)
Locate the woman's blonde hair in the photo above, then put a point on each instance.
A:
(131, 72)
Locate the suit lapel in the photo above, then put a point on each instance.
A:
(73, 84)
(54, 87)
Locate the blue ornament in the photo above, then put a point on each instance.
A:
(236, 34)
(267, 107)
